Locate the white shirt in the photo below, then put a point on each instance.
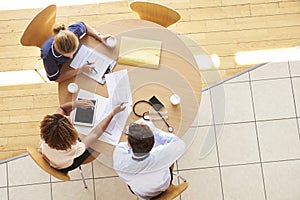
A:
(151, 176)
(60, 159)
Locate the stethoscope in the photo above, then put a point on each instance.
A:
(145, 114)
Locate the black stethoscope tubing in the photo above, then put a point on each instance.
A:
(170, 128)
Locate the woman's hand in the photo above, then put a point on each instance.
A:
(84, 104)
(103, 38)
(87, 68)
(119, 108)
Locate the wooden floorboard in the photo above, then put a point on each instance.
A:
(221, 27)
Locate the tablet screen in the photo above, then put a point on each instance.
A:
(85, 116)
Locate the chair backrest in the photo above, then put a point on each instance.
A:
(155, 12)
(40, 27)
(172, 192)
(42, 163)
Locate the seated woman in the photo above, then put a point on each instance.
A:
(60, 142)
(61, 47)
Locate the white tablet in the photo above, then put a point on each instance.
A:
(85, 117)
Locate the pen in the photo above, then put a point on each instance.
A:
(89, 63)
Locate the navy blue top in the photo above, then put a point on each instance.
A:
(53, 60)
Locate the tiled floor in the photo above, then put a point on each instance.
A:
(254, 118)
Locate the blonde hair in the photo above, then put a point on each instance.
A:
(58, 132)
(65, 41)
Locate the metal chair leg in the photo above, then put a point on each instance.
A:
(84, 183)
(179, 177)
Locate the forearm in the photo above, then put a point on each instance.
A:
(91, 31)
(67, 108)
(67, 75)
(97, 131)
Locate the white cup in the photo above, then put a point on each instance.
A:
(72, 88)
(175, 99)
(111, 42)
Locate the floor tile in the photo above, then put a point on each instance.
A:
(205, 113)
(278, 139)
(273, 99)
(282, 180)
(67, 191)
(238, 144)
(3, 193)
(243, 182)
(101, 170)
(294, 62)
(30, 192)
(3, 175)
(275, 69)
(235, 106)
(204, 184)
(295, 67)
(244, 77)
(191, 158)
(296, 89)
(112, 189)
(18, 168)
(75, 174)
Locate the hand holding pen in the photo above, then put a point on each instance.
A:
(89, 67)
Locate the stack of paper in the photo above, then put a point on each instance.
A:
(139, 52)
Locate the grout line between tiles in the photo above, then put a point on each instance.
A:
(294, 99)
(94, 184)
(7, 182)
(245, 122)
(240, 164)
(257, 139)
(216, 143)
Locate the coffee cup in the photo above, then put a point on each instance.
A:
(111, 42)
(72, 88)
(175, 99)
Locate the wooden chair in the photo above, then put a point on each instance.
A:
(155, 12)
(40, 27)
(42, 163)
(172, 192)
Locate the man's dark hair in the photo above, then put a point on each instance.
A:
(140, 138)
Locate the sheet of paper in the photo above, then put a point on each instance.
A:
(118, 87)
(101, 62)
(119, 91)
(114, 130)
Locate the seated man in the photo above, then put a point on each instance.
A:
(144, 161)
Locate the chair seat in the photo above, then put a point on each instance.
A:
(40, 161)
(40, 27)
(172, 192)
(155, 12)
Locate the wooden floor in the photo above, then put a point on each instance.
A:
(222, 27)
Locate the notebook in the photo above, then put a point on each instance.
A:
(139, 52)
(101, 62)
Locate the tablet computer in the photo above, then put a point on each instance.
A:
(85, 117)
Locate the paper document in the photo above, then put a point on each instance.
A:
(118, 87)
(139, 52)
(89, 56)
(119, 91)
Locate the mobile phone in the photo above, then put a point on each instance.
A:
(156, 104)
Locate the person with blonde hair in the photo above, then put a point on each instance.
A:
(62, 46)
(60, 142)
